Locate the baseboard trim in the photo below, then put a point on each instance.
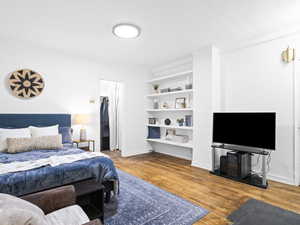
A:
(175, 155)
(281, 179)
(134, 153)
(201, 165)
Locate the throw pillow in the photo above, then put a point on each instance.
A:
(16, 211)
(66, 133)
(16, 145)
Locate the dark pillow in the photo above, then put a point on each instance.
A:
(66, 133)
(153, 132)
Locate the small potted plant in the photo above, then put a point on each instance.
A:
(155, 87)
(180, 122)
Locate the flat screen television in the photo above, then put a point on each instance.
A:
(250, 129)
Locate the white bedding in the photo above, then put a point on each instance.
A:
(51, 161)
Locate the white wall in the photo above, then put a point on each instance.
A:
(206, 65)
(255, 79)
(70, 82)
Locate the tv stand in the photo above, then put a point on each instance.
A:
(252, 179)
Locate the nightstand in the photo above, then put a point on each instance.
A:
(87, 148)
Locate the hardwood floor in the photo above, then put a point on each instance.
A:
(218, 195)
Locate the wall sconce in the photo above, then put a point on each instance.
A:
(92, 101)
(288, 55)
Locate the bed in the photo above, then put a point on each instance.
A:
(46, 177)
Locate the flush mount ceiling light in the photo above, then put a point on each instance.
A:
(126, 30)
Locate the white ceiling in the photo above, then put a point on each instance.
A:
(170, 28)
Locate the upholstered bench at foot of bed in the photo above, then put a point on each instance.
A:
(69, 215)
(59, 206)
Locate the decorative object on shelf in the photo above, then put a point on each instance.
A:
(176, 89)
(152, 120)
(26, 83)
(180, 122)
(164, 90)
(170, 133)
(155, 87)
(181, 138)
(188, 86)
(155, 104)
(165, 105)
(82, 119)
(188, 120)
(288, 55)
(180, 103)
(153, 132)
(167, 122)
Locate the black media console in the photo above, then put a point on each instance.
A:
(236, 164)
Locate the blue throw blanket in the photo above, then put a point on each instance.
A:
(30, 181)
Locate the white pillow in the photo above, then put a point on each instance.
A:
(44, 131)
(15, 211)
(12, 133)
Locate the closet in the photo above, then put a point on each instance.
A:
(104, 124)
(109, 113)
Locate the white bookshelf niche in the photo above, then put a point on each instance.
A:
(171, 76)
(170, 93)
(170, 126)
(163, 141)
(162, 106)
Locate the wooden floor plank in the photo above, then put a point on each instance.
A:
(218, 195)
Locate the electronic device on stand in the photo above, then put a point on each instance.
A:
(239, 169)
(237, 138)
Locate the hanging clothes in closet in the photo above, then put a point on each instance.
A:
(104, 124)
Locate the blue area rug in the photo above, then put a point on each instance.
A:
(141, 203)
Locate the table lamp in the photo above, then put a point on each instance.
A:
(82, 119)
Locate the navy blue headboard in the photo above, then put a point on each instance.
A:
(38, 120)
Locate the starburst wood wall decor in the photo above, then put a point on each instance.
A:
(26, 83)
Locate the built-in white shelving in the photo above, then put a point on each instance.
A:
(169, 110)
(170, 93)
(175, 75)
(172, 81)
(162, 141)
(171, 127)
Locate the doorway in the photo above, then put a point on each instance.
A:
(109, 113)
(297, 121)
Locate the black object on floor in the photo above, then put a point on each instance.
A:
(238, 164)
(90, 196)
(255, 212)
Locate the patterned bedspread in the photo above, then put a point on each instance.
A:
(25, 182)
